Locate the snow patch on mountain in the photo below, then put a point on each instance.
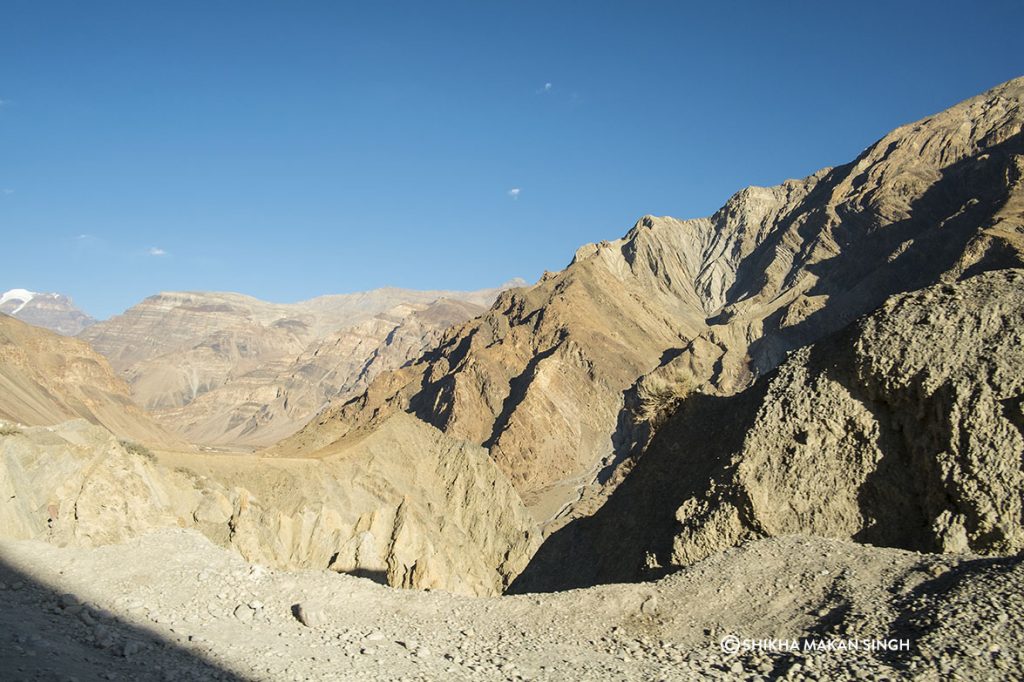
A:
(21, 295)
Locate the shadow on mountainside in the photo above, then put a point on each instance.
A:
(943, 222)
(48, 635)
(717, 452)
(630, 536)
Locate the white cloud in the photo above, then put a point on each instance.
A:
(547, 87)
(514, 192)
(7, 191)
(156, 251)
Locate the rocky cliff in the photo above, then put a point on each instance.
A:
(404, 505)
(903, 430)
(271, 402)
(563, 382)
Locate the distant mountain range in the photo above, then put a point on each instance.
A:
(225, 369)
(55, 312)
(46, 379)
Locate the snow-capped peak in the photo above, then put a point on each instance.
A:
(21, 295)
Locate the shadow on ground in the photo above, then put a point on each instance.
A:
(48, 635)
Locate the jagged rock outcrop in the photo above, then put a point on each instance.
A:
(557, 380)
(903, 430)
(55, 312)
(228, 369)
(47, 379)
(405, 505)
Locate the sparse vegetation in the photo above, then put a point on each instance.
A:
(661, 392)
(138, 449)
(9, 430)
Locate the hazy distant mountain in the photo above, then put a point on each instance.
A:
(269, 403)
(46, 379)
(55, 312)
(229, 369)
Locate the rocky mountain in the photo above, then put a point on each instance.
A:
(746, 401)
(904, 430)
(565, 382)
(404, 504)
(267, 404)
(227, 369)
(46, 379)
(55, 312)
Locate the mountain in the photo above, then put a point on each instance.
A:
(565, 382)
(228, 369)
(905, 429)
(404, 504)
(55, 312)
(837, 356)
(263, 406)
(46, 379)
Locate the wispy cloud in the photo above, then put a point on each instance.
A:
(7, 191)
(514, 192)
(547, 87)
(156, 251)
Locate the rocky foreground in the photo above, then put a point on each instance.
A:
(172, 606)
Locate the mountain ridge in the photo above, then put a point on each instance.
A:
(708, 304)
(229, 370)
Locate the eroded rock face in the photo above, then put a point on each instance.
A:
(554, 380)
(404, 505)
(904, 430)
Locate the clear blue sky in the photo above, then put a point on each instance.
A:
(290, 149)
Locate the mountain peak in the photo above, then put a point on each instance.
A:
(52, 311)
(22, 296)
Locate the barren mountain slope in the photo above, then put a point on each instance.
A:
(55, 312)
(271, 402)
(47, 379)
(904, 430)
(405, 505)
(547, 380)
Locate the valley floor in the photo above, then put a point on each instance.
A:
(172, 606)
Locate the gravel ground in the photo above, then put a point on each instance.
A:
(172, 606)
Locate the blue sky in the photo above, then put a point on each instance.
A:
(291, 149)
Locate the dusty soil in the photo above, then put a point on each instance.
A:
(172, 606)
